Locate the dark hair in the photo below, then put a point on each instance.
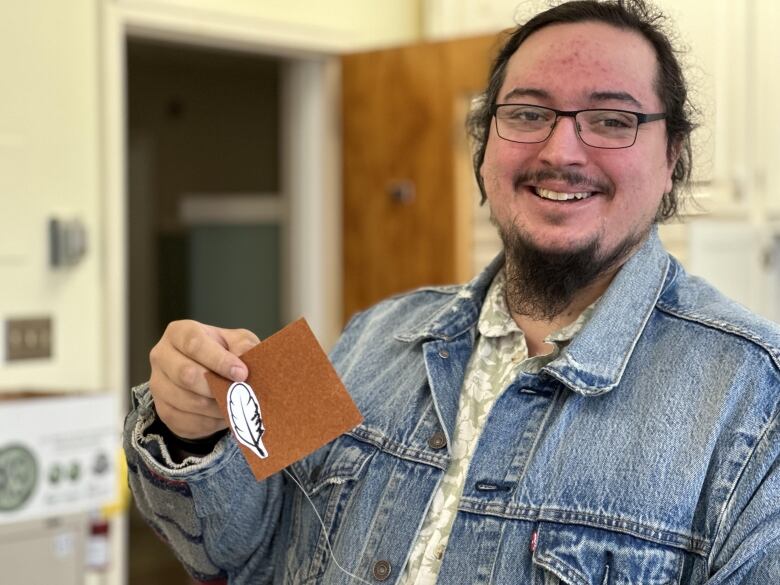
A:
(635, 15)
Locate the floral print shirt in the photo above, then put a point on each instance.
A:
(501, 354)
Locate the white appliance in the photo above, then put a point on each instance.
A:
(57, 463)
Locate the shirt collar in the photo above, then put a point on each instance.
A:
(495, 319)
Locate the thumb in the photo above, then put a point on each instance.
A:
(236, 342)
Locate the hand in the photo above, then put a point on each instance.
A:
(179, 361)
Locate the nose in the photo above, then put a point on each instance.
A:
(563, 147)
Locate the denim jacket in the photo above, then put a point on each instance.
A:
(647, 453)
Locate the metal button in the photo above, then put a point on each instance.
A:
(443, 353)
(437, 441)
(382, 570)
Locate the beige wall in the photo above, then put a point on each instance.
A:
(51, 152)
(49, 164)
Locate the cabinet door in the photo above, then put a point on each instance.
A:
(765, 17)
(402, 127)
(713, 37)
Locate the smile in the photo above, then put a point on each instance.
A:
(558, 196)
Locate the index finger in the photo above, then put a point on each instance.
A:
(207, 346)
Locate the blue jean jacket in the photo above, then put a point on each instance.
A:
(647, 453)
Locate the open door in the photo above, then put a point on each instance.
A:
(407, 203)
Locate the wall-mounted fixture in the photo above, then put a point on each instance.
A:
(67, 242)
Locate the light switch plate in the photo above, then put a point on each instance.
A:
(28, 338)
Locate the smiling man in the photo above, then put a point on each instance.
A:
(583, 412)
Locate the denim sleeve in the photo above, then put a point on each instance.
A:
(746, 550)
(220, 522)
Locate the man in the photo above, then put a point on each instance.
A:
(583, 412)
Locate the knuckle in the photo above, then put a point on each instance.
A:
(187, 374)
(192, 342)
(248, 337)
(154, 354)
(172, 327)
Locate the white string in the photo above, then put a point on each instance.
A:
(324, 531)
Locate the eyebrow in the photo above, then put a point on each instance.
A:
(596, 96)
(621, 96)
(517, 92)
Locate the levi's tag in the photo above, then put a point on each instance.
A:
(291, 404)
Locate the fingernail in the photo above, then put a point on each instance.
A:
(237, 373)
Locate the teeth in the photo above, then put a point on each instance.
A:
(556, 196)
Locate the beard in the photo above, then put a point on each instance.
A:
(541, 284)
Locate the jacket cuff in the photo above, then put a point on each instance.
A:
(158, 447)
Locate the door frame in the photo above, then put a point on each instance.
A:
(310, 154)
(310, 171)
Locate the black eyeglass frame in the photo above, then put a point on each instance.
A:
(641, 118)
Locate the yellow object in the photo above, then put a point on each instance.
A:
(122, 500)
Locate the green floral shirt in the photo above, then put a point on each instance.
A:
(501, 354)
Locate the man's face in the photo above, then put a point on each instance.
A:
(574, 67)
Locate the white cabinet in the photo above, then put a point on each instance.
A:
(764, 114)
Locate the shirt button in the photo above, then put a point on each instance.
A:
(439, 553)
(443, 353)
(382, 570)
(437, 441)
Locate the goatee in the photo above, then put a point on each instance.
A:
(541, 284)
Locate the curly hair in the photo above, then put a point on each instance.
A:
(670, 85)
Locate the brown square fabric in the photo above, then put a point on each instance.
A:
(298, 403)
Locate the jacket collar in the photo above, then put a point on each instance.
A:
(594, 362)
(461, 313)
(597, 357)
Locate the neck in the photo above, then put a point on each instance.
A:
(537, 329)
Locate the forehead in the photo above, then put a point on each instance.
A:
(573, 62)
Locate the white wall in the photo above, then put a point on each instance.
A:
(49, 153)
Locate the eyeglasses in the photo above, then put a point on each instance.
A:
(598, 128)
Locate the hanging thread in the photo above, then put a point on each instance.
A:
(324, 531)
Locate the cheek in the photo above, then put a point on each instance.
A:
(502, 162)
(644, 187)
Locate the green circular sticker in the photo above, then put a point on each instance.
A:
(18, 476)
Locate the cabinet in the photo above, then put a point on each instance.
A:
(765, 95)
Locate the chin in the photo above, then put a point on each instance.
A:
(552, 245)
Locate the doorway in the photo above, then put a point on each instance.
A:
(206, 218)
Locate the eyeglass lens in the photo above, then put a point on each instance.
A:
(599, 128)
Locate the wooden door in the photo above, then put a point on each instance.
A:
(403, 131)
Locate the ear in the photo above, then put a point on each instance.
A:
(671, 164)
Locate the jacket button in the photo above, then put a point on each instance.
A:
(443, 353)
(382, 570)
(437, 441)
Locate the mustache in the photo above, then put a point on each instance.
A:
(573, 178)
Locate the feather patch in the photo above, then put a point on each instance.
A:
(246, 418)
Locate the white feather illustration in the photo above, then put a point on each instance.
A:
(245, 417)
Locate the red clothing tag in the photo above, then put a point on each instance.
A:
(534, 540)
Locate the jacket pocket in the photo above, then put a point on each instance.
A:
(580, 555)
(330, 483)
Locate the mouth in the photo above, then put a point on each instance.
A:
(551, 195)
